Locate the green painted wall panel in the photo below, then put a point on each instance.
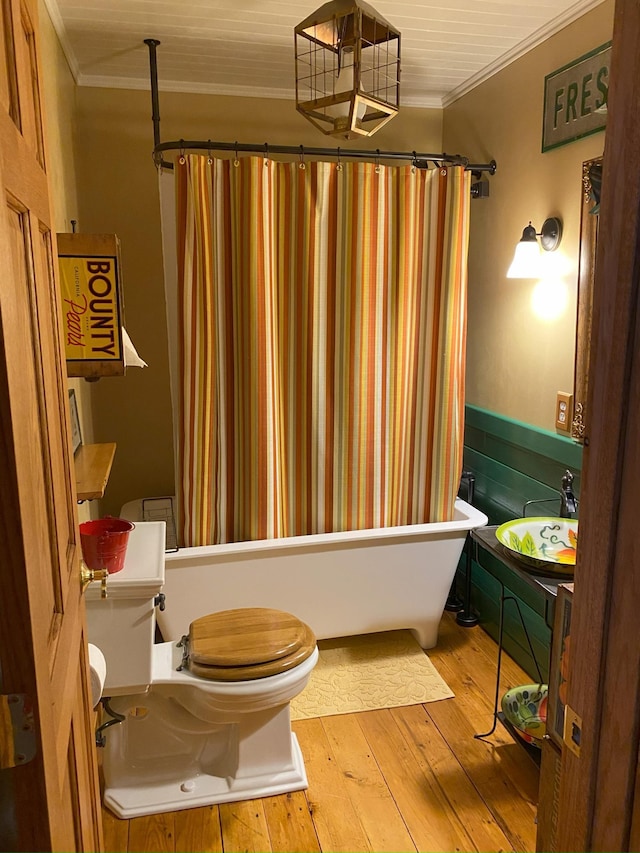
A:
(512, 463)
(524, 460)
(547, 444)
(502, 491)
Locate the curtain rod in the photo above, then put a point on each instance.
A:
(421, 161)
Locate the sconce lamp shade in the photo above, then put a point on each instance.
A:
(347, 69)
(527, 259)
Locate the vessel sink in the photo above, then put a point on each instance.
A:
(525, 707)
(546, 544)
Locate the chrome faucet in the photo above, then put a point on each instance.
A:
(568, 503)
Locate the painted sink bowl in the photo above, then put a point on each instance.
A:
(546, 544)
(525, 707)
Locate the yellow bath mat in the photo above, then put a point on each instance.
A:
(368, 672)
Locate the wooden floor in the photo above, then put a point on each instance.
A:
(410, 778)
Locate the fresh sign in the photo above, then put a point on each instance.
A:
(575, 99)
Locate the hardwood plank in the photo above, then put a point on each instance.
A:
(366, 787)
(473, 711)
(467, 659)
(436, 760)
(432, 824)
(116, 832)
(290, 824)
(335, 819)
(152, 834)
(505, 777)
(198, 830)
(476, 651)
(244, 827)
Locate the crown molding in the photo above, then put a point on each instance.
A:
(540, 35)
(103, 82)
(61, 31)
(427, 102)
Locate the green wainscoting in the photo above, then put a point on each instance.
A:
(512, 463)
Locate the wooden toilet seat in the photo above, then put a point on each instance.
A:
(248, 643)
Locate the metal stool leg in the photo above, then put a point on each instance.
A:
(503, 599)
(467, 618)
(499, 665)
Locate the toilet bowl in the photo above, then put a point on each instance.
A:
(205, 720)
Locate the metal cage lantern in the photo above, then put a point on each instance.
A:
(347, 69)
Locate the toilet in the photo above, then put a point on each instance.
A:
(204, 720)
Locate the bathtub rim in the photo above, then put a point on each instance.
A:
(466, 518)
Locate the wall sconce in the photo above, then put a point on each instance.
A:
(347, 69)
(527, 259)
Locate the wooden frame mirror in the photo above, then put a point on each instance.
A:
(589, 216)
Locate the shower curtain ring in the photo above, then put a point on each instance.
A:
(414, 163)
(301, 164)
(339, 166)
(236, 162)
(209, 157)
(378, 168)
(182, 158)
(266, 154)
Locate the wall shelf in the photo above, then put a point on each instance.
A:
(93, 466)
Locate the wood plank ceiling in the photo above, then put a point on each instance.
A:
(245, 47)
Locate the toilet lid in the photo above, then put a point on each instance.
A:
(245, 637)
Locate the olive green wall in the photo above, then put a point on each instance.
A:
(59, 95)
(118, 188)
(517, 360)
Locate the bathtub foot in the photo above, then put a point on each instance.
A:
(426, 635)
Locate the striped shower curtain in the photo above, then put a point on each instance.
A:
(322, 323)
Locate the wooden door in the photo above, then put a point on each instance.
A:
(600, 788)
(50, 802)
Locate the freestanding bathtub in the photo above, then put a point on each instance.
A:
(355, 582)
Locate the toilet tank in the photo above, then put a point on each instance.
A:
(122, 625)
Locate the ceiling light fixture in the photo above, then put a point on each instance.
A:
(347, 69)
(527, 259)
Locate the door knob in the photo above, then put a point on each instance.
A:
(88, 575)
